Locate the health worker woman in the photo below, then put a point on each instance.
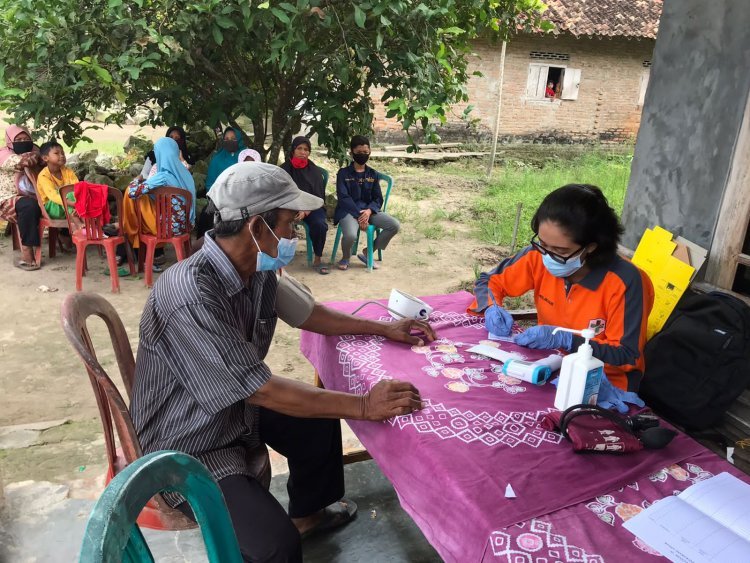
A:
(579, 282)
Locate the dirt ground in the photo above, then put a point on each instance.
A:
(42, 379)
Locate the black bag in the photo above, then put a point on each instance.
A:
(700, 361)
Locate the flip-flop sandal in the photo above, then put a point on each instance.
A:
(334, 516)
(121, 272)
(323, 270)
(26, 266)
(363, 259)
(343, 264)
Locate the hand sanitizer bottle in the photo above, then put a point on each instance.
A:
(580, 374)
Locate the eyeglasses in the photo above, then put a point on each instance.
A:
(556, 257)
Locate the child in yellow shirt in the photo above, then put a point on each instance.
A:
(53, 177)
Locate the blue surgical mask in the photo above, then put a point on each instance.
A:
(562, 270)
(284, 253)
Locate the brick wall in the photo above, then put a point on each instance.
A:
(607, 107)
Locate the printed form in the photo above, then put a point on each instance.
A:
(707, 522)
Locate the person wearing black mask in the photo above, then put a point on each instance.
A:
(360, 201)
(309, 178)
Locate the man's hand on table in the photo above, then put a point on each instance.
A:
(390, 398)
(401, 331)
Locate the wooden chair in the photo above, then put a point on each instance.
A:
(113, 410)
(165, 228)
(93, 234)
(111, 532)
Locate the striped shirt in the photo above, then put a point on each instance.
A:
(203, 337)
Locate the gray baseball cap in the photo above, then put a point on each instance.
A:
(250, 188)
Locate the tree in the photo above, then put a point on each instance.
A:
(280, 64)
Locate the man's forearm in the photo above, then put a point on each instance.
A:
(302, 400)
(329, 322)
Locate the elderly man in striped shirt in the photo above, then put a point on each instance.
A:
(203, 388)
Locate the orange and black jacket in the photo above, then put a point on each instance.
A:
(614, 300)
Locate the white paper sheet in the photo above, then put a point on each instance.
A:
(494, 353)
(708, 522)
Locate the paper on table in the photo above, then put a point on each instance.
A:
(500, 338)
(707, 522)
(494, 353)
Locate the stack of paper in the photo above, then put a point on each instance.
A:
(707, 522)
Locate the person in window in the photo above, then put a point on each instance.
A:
(549, 92)
(309, 178)
(360, 201)
(579, 282)
(18, 202)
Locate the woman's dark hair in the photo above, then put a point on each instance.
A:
(583, 212)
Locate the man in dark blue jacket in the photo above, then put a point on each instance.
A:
(360, 201)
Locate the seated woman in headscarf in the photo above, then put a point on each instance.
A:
(231, 145)
(309, 178)
(18, 203)
(170, 172)
(206, 217)
(249, 155)
(178, 134)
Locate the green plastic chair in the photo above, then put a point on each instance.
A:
(111, 532)
(371, 230)
(324, 172)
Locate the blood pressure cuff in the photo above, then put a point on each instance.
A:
(294, 302)
(591, 431)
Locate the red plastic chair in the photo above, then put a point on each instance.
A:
(93, 234)
(165, 231)
(113, 410)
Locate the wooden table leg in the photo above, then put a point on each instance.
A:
(355, 455)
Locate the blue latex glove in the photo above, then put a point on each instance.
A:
(498, 321)
(541, 337)
(611, 397)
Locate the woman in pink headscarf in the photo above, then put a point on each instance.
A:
(18, 203)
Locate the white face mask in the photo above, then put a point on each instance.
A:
(285, 250)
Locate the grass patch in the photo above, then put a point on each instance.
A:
(418, 193)
(112, 148)
(441, 214)
(495, 210)
(433, 231)
(403, 212)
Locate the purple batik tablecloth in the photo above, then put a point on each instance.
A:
(591, 531)
(451, 462)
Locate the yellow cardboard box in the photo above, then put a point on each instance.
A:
(671, 263)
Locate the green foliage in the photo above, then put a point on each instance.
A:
(281, 64)
(495, 211)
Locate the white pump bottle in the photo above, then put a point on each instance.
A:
(580, 374)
